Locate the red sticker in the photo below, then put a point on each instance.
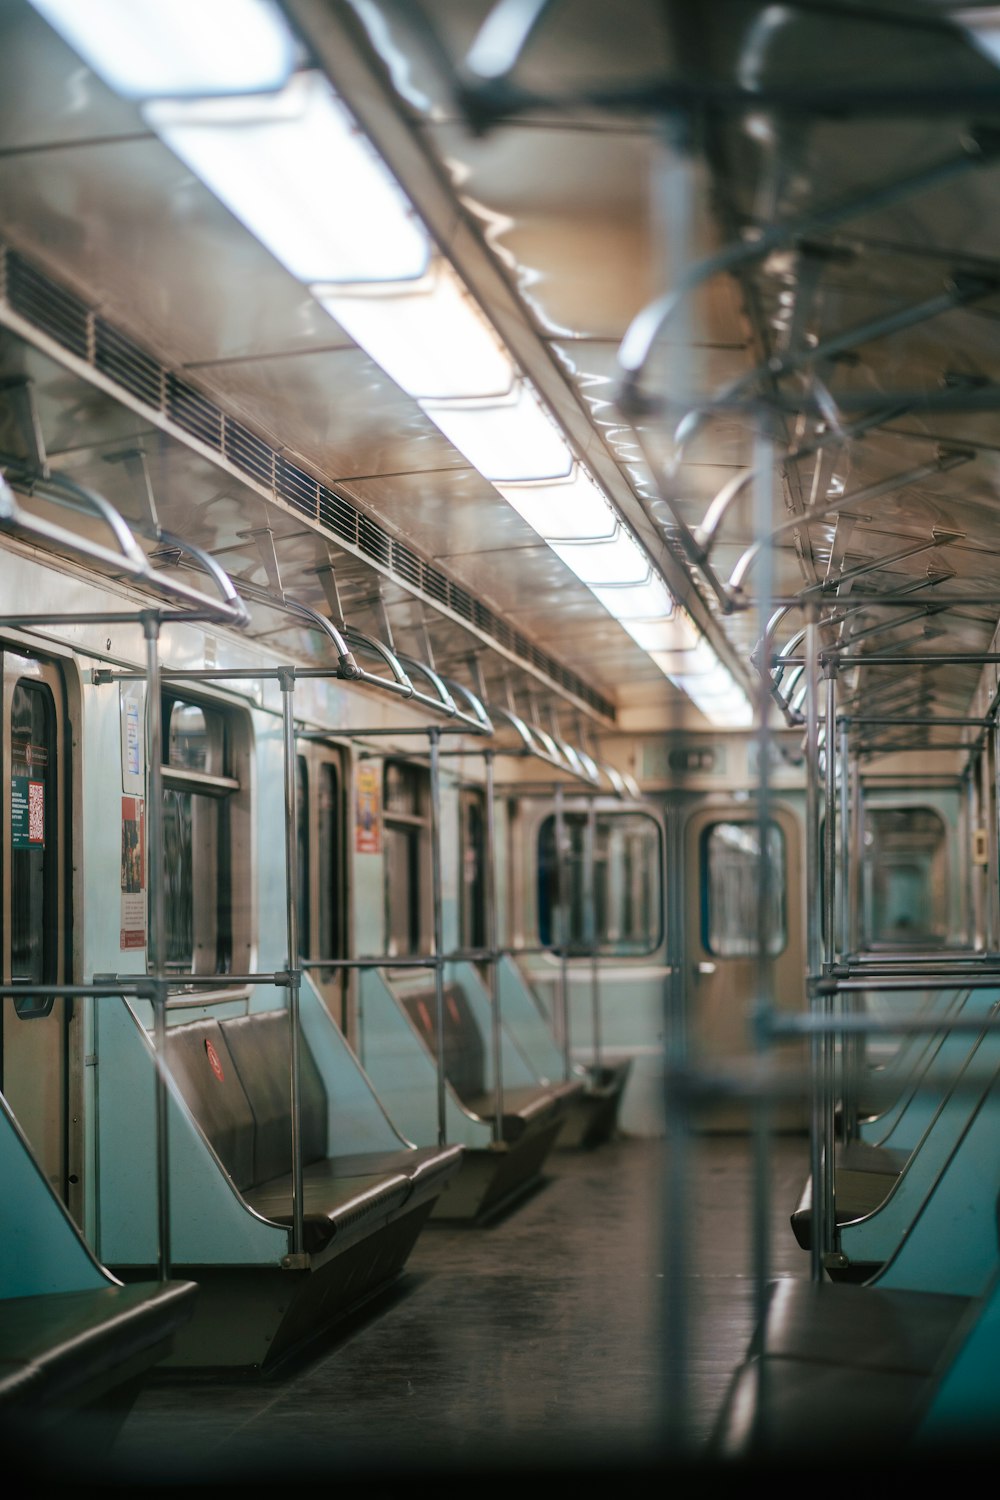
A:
(213, 1058)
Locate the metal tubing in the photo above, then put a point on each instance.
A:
(817, 1143)
(959, 291)
(898, 659)
(648, 325)
(852, 1052)
(968, 815)
(829, 844)
(845, 846)
(433, 737)
(492, 925)
(562, 932)
(989, 869)
(925, 720)
(157, 929)
(294, 975)
(590, 907)
(815, 1025)
(857, 856)
(991, 746)
(829, 908)
(946, 459)
(902, 982)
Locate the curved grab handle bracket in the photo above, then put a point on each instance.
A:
(230, 606)
(443, 702)
(59, 490)
(480, 719)
(130, 559)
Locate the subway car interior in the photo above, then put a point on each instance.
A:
(500, 844)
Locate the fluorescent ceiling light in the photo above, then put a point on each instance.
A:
(727, 709)
(675, 634)
(649, 600)
(507, 441)
(566, 509)
(711, 687)
(429, 337)
(616, 561)
(295, 169)
(153, 48)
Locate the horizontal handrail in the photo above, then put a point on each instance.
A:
(129, 558)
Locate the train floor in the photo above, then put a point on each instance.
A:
(533, 1344)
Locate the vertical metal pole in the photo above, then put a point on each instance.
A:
(437, 942)
(831, 1047)
(986, 882)
(994, 876)
(855, 936)
(830, 821)
(562, 934)
(492, 925)
(286, 678)
(852, 1046)
(970, 890)
(845, 844)
(674, 187)
(761, 1109)
(817, 1153)
(590, 906)
(157, 929)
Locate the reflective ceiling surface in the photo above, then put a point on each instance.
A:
(841, 162)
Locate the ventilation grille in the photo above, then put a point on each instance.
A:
(64, 318)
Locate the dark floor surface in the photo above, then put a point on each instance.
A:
(533, 1344)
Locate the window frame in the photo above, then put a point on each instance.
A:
(578, 946)
(415, 828)
(731, 819)
(222, 877)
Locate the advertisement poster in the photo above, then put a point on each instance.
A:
(368, 811)
(133, 926)
(27, 813)
(132, 704)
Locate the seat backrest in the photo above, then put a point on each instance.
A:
(260, 1045)
(235, 1078)
(464, 1052)
(207, 1077)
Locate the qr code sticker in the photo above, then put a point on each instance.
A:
(36, 812)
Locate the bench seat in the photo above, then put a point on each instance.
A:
(234, 1075)
(839, 1368)
(64, 1350)
(523, 1107)
(343, 1194)
(864, 1176)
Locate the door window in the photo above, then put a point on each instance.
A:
(730, 889)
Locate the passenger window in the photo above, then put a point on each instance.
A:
(628, 899)
(34, 905)
(406, 830)
(730, 882)
(473, 892)
(906, 875)
(304, 883)
(205, 853)
(330, 926)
